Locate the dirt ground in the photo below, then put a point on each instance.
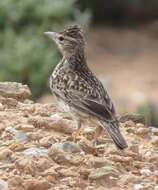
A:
(37, 151)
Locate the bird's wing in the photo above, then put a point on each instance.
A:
(99, 105)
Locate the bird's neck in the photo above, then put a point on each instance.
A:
(75, 59)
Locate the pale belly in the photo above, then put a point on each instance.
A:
(74, 113)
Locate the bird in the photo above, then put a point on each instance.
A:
(76, 87)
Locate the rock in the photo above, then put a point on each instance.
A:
(47, 141)
(17, 147)
(3, 185)
(136, 118)
(104, 172)
(26, 165)
(138, 187)
(55, 122)
(123, 159)
(19, 136)
(25, 127)
(87, 146)
(15, 181)
(33, 165)
(154, 140)
(35, 136)
(99, 162)
(154, 130)
(8, 102)
(50, 172)
(140, 125)
(67, 173)
(1, 107)
(69, 147)
(14, 90)
(156, 187)
(36, 184)
(61, 157)
(129, 124)
(33, 151)
(143, 132)
(5, 153)
(145, 172)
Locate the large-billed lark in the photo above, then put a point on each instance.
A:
(78, 89)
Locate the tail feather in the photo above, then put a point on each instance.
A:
(115, 134)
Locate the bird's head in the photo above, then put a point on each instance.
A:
(69, 41)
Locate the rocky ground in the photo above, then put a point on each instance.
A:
(37, 151)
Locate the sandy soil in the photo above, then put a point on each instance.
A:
(37, 151)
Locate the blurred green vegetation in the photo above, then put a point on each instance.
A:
(26, 55)
(150, 111)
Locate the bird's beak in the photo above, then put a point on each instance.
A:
(52, 35)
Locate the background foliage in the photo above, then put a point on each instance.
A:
(25, 54)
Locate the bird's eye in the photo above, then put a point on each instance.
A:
(61, 38)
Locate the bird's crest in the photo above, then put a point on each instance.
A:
(73, 31)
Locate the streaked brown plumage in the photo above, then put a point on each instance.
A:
(78, 89)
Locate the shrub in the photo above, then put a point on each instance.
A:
(26, 54)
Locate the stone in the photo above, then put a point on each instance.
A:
(3, 185)
(1, 107)
(14, 90)
(138, 187)
(69, 147)
(33, 151)
(99, 162)
(154, 130)
(25, 127)
(19, 136)
(61, 157)
(47, 141)
(17, 146)
(36, 184)
(154, 140)
(5, 153)
(55, 122)
(143, 132)
(104, 172)
(145, 172)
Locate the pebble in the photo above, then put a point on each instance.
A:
(33, 151)
(145, 172)
(5, 153)
(3, 185)
(154, 130)
(69, 147)
(104, 172)
(138, 186)
(19, 136)
(154, 140)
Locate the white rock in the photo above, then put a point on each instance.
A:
(138, 186)
(3, 185)
(156, 187)
(145, 172)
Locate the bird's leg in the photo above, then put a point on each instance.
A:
(97, 133)
(77, 132)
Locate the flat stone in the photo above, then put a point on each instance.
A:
(68, 146)
(104, 172)
(33, 151)
(3, 185)
(14, 90)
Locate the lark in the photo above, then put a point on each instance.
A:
(77, 89)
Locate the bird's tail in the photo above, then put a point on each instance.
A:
(115, 134)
